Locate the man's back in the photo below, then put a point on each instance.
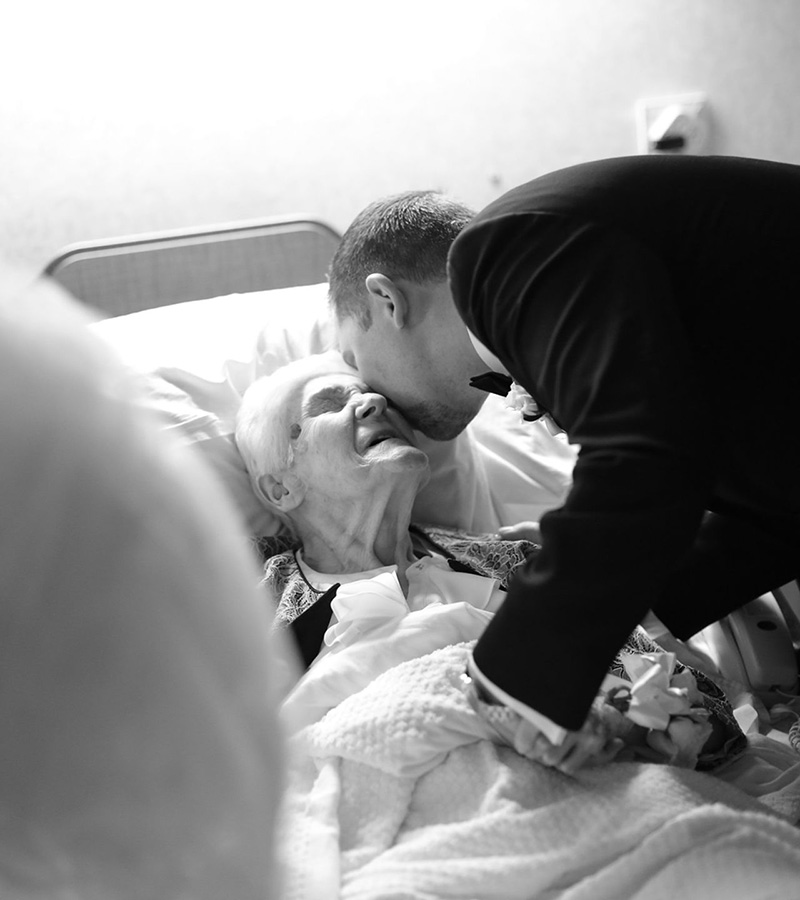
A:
(713, 238)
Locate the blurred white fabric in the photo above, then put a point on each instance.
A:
(140, 754)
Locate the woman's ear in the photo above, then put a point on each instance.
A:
(387, 299)
(282, 494)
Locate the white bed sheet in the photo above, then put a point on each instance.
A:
(395, 790)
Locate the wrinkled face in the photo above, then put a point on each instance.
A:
(433, 395)
(343, 434)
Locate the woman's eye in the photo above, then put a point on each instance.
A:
(325, 403)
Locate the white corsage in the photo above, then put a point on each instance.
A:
(519, 399)
(667, 707)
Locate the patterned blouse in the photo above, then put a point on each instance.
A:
(484, 554)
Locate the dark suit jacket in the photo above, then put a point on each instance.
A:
(649, 304)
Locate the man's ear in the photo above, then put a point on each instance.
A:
(387, 299)
(282, 494)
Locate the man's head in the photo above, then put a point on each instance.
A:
(396, 320)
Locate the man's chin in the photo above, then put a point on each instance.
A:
(439, 423)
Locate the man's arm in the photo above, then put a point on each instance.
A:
(537, 737)
(583, 318)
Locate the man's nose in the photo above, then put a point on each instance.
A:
(370, 404)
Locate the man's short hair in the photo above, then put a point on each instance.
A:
(404, 236)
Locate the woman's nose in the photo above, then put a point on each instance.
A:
(370, 404)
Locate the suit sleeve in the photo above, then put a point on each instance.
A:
(585, 319)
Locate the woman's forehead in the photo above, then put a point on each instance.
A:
(332, 380)
(304, 389)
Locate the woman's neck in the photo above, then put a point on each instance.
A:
(344, 538)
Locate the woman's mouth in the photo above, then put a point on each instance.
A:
(378, 438)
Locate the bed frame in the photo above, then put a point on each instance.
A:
(129, 274)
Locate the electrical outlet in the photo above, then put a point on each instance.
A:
(672, 124)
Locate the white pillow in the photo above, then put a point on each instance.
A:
(205, 337)
(198, 358)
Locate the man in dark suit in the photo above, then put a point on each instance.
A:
(647, 307)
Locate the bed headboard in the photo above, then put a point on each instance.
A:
(129, 274)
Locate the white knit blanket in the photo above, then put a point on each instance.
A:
(396, 792)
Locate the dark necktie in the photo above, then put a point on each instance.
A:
(495, 383)
(492, 383)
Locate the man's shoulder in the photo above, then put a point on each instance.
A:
(619, 195)
(564, 196)
(578, 188)
(634, 183)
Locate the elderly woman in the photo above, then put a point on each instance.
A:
(342, 469)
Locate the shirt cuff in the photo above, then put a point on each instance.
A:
(554, 733)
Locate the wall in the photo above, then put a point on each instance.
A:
(171, 114)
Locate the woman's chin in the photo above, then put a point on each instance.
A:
(403, 458)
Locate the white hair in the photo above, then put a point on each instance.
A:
(264, 420)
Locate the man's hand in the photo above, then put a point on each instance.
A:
(599, 740)
(522, 531)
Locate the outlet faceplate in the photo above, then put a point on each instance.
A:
(676, 123)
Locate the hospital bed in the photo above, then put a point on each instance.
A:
(128, 274)
(199, 314)
(252, 293)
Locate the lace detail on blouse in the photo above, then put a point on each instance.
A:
(485, 553)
